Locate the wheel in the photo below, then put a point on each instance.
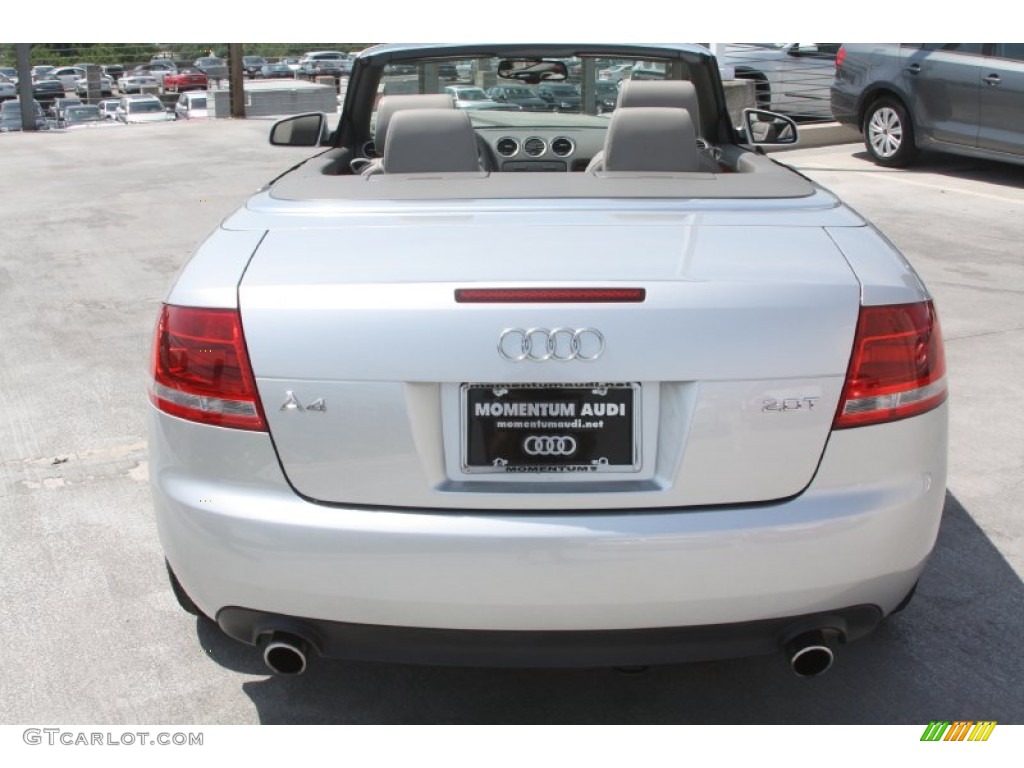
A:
(888, 133)
(180, 594)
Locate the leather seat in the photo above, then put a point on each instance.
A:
(430, 141)
(649, 140)
(661, 93)
(386, 109)
(389, 105)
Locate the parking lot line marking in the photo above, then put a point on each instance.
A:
(898, 176)
(988, 196)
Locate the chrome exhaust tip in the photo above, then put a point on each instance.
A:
(809, 654)
(285, 654)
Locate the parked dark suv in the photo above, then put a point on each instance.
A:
(962, 98)
(253, 65)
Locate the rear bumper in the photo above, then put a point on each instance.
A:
(565, 648)
(845, 106)
(238, 536)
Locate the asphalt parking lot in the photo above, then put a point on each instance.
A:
(93, 227)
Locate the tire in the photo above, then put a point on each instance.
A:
(889, 134)
(180, 594)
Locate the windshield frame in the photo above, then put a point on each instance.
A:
(367, 82)
(681, 60)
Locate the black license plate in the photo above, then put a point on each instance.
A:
(550, 428)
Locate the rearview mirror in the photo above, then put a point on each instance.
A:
(532, 71)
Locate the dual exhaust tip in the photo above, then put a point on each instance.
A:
(809, 654)
(286, 654)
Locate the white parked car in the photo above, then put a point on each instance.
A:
(68, 76)
(109, 108)
(657, 398)
(138, 82)
(142, 109)
(191, 105)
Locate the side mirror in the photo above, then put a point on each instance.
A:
(768, 128)
(308, 130)
(803, 49)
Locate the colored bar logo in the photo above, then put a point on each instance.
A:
(960, 730)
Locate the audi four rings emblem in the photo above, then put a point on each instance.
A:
(549, 445)
(539, 344)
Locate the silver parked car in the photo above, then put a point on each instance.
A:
(8, 88)
(791, 78)
(314, 63)
(525, 388)
(84, 116)
(10, 116)
(106, 86)
(961, 98)
(142, 109)
(471, 97)
(68, 76)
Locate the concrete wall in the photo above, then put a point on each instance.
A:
(739, 95)
(277, 97)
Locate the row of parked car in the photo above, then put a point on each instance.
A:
(170, 75)
(549, 97)
(69, 113)
(58, 83)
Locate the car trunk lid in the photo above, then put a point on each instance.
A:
(381, 388)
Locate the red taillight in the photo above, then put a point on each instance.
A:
(840, 56)
(201, 369)
(898, 367)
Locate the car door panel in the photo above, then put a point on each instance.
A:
(805, 75)
(1002, 94)
(944, 87)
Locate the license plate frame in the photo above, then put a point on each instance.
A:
(568, 430)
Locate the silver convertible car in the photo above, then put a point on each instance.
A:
(545, 389)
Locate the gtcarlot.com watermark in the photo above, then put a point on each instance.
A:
(59, 736)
